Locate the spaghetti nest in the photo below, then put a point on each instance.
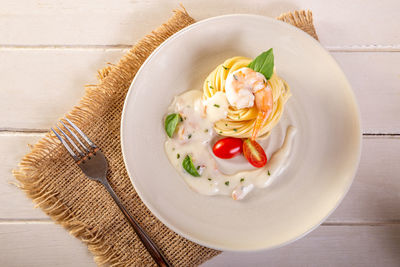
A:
(240, 122)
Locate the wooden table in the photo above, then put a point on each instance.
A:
(50, 49)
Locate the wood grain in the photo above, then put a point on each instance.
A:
(373, 198)
(375, 78)
(38, 87)
(101, 22)
(58, 76)
(375, 194)
(37, 245)
(50, 245)
(14, 204)
(328, 246)
(58, 45)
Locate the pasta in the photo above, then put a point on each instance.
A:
(240, 122)
(243, 99)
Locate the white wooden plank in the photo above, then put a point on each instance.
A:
(375, 78)
(37, 87)
(14, 203)
(54, 74)
(101, 22)
(373, 198)
(39, 245)
(50, 245)
(328, 246)
(375, 193)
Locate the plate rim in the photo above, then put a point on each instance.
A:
(186, 235)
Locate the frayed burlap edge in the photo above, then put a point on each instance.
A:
(90, 105)
(302, 19)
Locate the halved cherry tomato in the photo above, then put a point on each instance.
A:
(254, 153)
(228, 147)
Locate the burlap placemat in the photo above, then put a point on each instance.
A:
(50, 177)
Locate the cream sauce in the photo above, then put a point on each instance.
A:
(195, 136)
(216, 107)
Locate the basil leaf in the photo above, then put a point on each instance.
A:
(264, 63)
(171, 121)
(188, 165)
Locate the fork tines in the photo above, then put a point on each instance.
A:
(70, 140)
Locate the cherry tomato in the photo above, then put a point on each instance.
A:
(254, 153)
(228, 147)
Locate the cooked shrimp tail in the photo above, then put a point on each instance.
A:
(245, 88)
(260, 121)
(264, 103)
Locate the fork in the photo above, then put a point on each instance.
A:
(94, 165)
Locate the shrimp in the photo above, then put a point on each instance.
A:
(245, 88)
(241, 191)
(264, 103)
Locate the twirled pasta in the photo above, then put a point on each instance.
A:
(240, 122)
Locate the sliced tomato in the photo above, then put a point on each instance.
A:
(254, 153)
(228, 147)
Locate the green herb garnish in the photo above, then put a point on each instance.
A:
(225, 67)
(171, 121)
(235, 130)
(239, 117)
(209, 179)
(178, 156)
(189, 136)
(269, 173)
(198, 167)
(226, 124)
(264, 63)
(188, 165)
(211, 87)
(206, 130)
(234, 76)
(227, 183)
(220, 132)
(241, 180)
(216, 105)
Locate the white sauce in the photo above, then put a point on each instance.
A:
(217, 107)
(195, 136)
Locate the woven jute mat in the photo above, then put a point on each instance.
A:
(55, 183)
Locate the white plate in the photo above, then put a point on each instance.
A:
(326, 149)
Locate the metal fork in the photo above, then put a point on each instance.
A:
(94, 165)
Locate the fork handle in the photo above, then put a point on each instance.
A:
(147, 242)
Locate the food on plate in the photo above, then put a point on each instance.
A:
(228, 147)
(254, 153)
(241, 102)
(246, 94)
